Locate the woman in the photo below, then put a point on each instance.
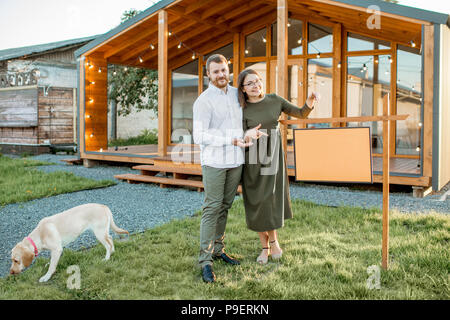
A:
(265, 183)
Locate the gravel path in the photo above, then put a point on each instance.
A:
(138, 207)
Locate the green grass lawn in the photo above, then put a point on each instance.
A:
(20, 181)
(326, 255)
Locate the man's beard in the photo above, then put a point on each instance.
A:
(219, 85)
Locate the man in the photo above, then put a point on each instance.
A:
(217, 129)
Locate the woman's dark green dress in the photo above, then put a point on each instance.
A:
(265, 183)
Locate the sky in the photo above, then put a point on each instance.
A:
(31, 22)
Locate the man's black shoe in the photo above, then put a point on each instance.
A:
(208, 274)
(227, 259)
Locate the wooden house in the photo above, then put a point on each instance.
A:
(352, 52)
(38, 97)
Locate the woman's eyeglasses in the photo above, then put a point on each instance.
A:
(252, 83)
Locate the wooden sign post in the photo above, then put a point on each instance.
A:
(386, 118)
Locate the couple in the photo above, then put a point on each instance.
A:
(228, 123)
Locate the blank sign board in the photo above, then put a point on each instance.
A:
(333, 155)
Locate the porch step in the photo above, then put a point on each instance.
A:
(151, 169)
(73, 161)
(163, 181)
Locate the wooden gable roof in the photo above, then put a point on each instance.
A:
(204, 25)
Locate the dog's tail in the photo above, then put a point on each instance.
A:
(114, 227)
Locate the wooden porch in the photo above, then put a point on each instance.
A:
(183, 168)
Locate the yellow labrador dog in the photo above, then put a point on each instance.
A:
(54, 232)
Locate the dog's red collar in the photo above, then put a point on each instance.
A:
(35, 248)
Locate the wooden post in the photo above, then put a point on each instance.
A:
(236, 57)
(163, 34)
(386, 144)
(282, 61)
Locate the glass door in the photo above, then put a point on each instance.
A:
(295, 89)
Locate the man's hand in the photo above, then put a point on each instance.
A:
(254, 134)
(241, 143)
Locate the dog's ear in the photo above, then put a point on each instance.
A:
(27, 257)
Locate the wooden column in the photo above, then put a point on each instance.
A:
(428, 76)
(236, 57)
(282, 60)
(386, 145)
(337, 67)
(163, 108)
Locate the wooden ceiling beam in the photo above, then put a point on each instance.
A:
(218, 8)
(183, 38)
(241, 9)
(253, 15)
(211, 45)
(154, 40)
(197, 5)
(196, 17)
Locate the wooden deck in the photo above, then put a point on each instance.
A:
(183, 167)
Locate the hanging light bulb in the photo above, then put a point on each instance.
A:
(412, 43)
(100, 70)
(390, 59)
(91, 100)
(318, 55)
(364, 67)
(418, 149)
(140, 60)
(299, 41)
(246, 51)
(339, 65)
(152, 46)
(264, 40)
(179, 46)
(193, 56)
(170, 33)
(91, 135)
(288, 24)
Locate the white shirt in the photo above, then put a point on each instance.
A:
(217, 121)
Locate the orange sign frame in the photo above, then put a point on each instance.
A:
(341, 155)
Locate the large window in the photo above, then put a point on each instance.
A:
(368, 81)
(357, 42)
(409, 101)
(320, 81)
(295, 37)
(184, 93)
(255, 44)
(320, 38)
